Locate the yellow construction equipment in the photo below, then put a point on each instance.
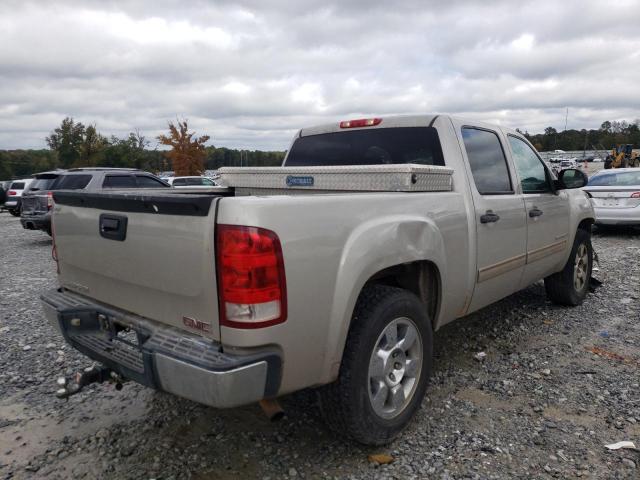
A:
(622, 156)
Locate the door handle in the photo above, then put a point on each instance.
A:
(535, 212)
(109, 225)
(489, 217)
(113, 227)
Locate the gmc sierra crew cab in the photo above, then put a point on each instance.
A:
(331, 271)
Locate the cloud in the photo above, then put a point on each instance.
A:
(250, 73)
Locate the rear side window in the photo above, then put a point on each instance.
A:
(377, 146)
(179, 182)
(144, 181)
(487, 160)
(17, 186)
(72, 182)
(119, 181)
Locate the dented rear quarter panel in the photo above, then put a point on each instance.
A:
(331, 250)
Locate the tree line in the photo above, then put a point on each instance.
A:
(74, 144)
(606, 137)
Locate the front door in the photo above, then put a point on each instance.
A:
(547, 214)
(500, 217)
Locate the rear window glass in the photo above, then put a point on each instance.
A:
(17, 186)
(119, 181)
(44, 183)
(144, 181)
(378, 146)
(617, 179)
(72, 182)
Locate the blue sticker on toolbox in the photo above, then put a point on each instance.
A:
(293, 181)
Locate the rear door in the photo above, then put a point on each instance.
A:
(500, 215)
(547, 213)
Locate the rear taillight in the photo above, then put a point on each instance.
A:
(12, 192)
(251, 279)
(49, 200)
(361, 122)
(635, 195)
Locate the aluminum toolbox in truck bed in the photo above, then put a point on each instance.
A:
(366, 178)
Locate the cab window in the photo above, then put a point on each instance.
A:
(533, 175)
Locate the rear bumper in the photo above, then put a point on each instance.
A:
(38, 221)
(12, 203)
(163, 357)
(617, 216)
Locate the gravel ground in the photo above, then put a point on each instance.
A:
(556, 385)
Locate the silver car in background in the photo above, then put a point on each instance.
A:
(615, 195)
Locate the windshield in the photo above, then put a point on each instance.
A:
(368, 147)
(616, 179)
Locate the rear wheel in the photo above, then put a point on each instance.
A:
(570, 286)
(385, 367)
(15, 212)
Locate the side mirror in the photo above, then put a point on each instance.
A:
(572, 178)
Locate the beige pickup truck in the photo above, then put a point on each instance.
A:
(332, 271)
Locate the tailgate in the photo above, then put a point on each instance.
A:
(151, 254)
(33, 204)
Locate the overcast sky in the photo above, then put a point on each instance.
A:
(250, 73)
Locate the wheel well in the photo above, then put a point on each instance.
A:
(422, 278)
(586, 224)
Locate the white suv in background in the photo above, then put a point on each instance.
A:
(14, 195)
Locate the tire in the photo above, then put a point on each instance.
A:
(14, 212)
(565, 287)
(348, 403)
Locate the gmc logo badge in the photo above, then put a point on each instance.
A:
(196, 324)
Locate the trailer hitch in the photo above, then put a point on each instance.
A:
(92, 374)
